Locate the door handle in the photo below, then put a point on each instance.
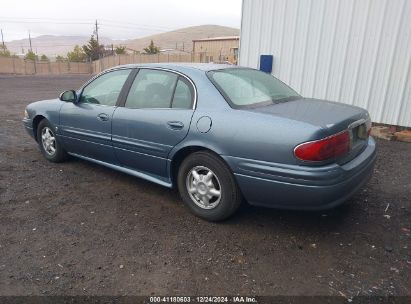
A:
(176, 125)
(103, 117)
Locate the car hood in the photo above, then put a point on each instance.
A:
(45, 104)
(45, 101)
(46, 108)
(327, 115)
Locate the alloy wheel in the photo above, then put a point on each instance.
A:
(48, 140)
(203, 187)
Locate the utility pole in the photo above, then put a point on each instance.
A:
(31, 50)
(96, 31)
(98, 43)
(2, 40)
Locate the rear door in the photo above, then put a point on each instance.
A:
(155, 117)
(86, 124)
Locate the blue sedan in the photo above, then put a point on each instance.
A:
(220, 134)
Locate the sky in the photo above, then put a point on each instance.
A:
(121, 19)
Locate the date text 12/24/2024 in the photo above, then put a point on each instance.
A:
(202, 299)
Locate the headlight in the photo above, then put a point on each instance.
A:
(26, 114)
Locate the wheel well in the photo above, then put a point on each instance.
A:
(36, 122)
(180, 156)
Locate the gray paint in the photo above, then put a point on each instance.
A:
(257, 144)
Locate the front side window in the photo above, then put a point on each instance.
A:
(105, 89)
(249, 88)
(152, 89)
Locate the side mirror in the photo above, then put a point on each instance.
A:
(69, 96)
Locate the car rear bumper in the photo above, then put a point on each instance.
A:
(302, 187)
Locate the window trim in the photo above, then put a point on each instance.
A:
(80, 91)
(193, 88)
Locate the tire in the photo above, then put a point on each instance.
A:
(49, 144)
(194, 174)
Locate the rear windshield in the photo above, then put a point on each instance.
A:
(250, 88)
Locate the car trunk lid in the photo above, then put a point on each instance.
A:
(331, 117)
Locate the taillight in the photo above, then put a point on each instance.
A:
(323, 149)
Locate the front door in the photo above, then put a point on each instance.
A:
(156, 116)
(86, 124)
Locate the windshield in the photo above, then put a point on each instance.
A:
(248, 87)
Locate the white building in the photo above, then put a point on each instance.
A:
(353, 51)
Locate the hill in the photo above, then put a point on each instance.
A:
(182, 38)
(51, 45)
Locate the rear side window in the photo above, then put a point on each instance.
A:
(183, 95)
(152, 89)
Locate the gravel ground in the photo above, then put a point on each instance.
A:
(80, 229)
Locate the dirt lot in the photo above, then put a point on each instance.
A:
(80, 229)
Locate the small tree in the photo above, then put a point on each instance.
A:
(60, 58)
(44, 58)
(93, 49)
(76, 55)
(152, 49)
(4, 51)
(31, 56)
(120, 50)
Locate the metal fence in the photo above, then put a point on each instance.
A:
(12, 65)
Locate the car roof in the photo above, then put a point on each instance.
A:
(181, 66)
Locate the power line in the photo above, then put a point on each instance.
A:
(45, 45)
(44, 18)
(142, 26)
(45, 22)
(78, 21)
(109, 23)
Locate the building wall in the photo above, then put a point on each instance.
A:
(353, 51)
(215, 46)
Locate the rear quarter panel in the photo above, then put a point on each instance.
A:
(249, 135)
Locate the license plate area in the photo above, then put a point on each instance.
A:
(359, 136)
(361, 132)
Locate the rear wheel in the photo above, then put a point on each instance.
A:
(208, 187)
(49, 144)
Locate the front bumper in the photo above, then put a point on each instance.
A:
(28, 125)
(302, 187)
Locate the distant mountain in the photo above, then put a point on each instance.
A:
(51, 45)
(182, 37)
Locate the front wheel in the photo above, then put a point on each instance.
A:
(48, 142)
(207, 187)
